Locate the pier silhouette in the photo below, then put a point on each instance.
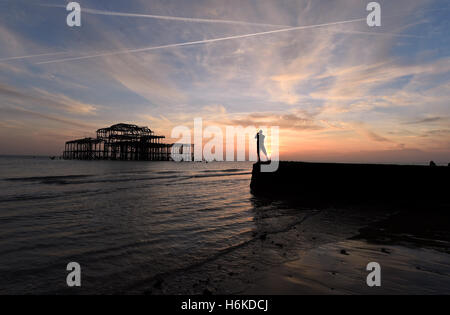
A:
(123, 142)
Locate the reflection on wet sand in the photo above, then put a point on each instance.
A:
(411, 249)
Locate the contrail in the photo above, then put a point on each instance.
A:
(170, 18)
(377, 33)
(206, 41)
(185, 19)
(176, 18)
(30, 56)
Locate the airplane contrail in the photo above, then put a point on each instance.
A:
(176, 18)
(30, 56)
(185, 19)
(206, 41)
(112, 13)
(170, 18)
(377, 33)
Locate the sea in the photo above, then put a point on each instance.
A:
(160, 228)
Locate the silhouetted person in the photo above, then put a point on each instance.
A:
(260, 137)
(432, 164)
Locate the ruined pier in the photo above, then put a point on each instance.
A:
(123, 142)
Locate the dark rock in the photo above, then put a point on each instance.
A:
(344, 252)
(263, 237)
(432, 164)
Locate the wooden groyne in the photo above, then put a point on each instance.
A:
(316, 183)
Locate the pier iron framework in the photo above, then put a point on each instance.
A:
(120, 142)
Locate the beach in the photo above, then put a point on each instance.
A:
(410, 264)
(163, 228)
(323, 253)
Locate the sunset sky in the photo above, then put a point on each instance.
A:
(342, 92)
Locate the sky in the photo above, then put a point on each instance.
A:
(339, 90)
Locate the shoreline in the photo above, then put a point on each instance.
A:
(326, 252)
(325, 270)
(414, 259)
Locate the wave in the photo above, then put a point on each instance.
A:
(78, 179)
(47, 179)
(223, 171)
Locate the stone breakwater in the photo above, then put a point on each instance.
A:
(316, 183)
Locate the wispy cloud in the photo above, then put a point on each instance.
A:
(284, 121)
(31, 56)
(376, 137)
(53, 118)
(168, 18)
(425, 121)
(41, 98)
(314, 78)
(206, 41)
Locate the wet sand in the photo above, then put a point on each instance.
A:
(325, 270)
(326, 252)
(412, 249)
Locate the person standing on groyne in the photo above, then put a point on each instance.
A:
(260, 138)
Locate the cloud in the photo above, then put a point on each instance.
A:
(146, 76)
(315, 82)
(283, 121)
(169, 18)
(22, 112)
(353, 85)
(376, 137)
(38, 98)
(205, 41)
(31, 56)
(425, 121)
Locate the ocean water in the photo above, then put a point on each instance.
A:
(122, 222)
(160, 228)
